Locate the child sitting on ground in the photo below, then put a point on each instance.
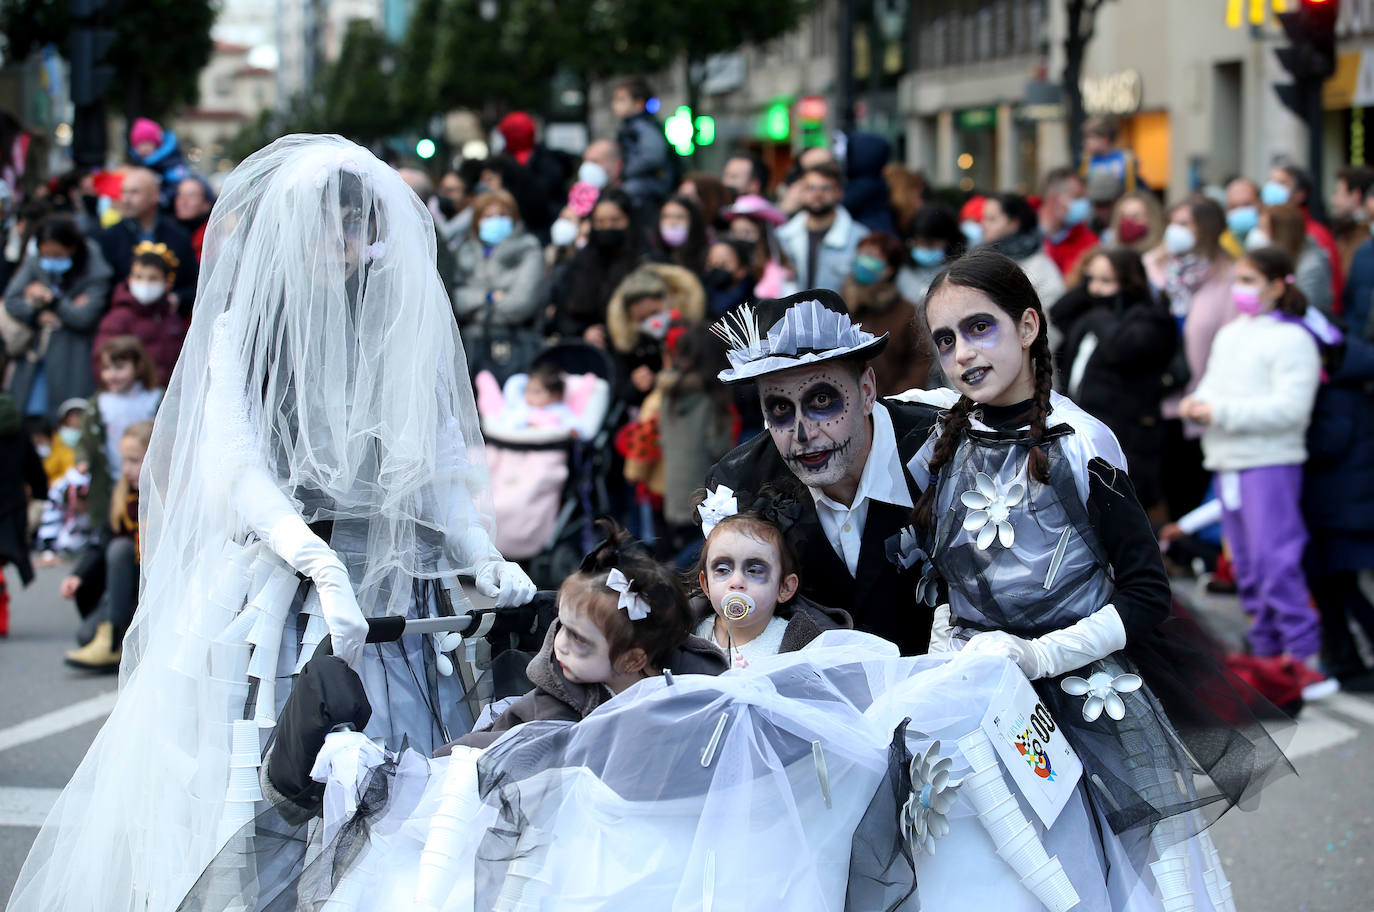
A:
(747, 574)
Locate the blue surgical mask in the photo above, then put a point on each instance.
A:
(1242, 220)
(494, 229)
(1079, 211)
(927, 256)
(55, 265)
(973, 231)
(70, 436)
(868, 269)
(1274, 193)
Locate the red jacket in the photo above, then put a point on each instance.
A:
(157, 326)
(1322, 235)
(1069, 251)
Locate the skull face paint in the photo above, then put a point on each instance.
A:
(983, 351)
(818, 419)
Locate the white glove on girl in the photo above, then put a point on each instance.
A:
(941, 632)
(265, 508)
(1095, 637)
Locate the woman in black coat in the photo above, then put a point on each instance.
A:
(1338, 502)
(1118, 340)
(614, 248)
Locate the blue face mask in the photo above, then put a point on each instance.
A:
(55, 265)
(1274, 193)
(973, 231)
(494, 229)
(868, 269)
(1079, 211)
(927, 256)
(1242, 220)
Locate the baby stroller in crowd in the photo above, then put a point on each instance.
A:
(549, 478)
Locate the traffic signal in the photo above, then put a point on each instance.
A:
(91, 36)
(1311, 31)
(811, 111)
(680, 131)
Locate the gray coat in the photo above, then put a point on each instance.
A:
(67, 353)
(515, 267)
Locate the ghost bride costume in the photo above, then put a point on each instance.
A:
(316, 461)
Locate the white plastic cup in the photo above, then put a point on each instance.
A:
(1171, 877)
(1051, 885)
(1024, 852)
(243, 777)
(247, 796)
(986, 789)
(977, 750)
(1005, 828)
(1180, 902)
(245, 738)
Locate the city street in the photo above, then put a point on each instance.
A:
(1308, 847)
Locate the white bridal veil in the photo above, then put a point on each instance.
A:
(338, 375)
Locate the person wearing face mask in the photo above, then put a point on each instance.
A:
(729, 278)
(61, 295)
(1255, 401)
(829, 431)
(498, 281)
(1010, 227)
(878, 306)
(935, 240)
(1137, 222)
(1065, 217)
(1118, 341)
(1193, 270)
(682, 237)
(141, 307)
(821, 239)
(454, 209)
(1290, 184)
(1242, 214)
(650, 300)
(1282, 227)
(614, 249)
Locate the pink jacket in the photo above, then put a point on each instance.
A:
(1210, 309)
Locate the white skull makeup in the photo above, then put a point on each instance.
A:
(818, 419)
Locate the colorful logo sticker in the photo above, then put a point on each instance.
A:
(1036, 758)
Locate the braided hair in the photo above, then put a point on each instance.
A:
(998, 278)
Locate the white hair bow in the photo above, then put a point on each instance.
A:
(633, 603)
(719, 504)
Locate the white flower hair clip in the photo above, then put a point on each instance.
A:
(374, 251)
(719, 504)
(632, 602)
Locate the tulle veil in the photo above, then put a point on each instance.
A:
(318, 293)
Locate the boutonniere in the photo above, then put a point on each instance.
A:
(904, 550)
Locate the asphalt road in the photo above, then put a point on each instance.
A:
(1309, 847)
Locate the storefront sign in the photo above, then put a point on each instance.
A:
(977, 119)
(1117, 93)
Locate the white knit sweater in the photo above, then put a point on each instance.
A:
(1261, 380)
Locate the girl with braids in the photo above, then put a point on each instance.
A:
(1256, 401)
(1029, 517)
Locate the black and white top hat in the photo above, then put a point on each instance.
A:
(803, 329)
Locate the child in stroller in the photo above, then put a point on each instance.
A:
(548, 459)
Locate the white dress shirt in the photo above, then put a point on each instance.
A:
(883, 479)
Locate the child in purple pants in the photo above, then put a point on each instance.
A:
(1256, 401)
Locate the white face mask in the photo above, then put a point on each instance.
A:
(1179, 240)
(590, 172)
(147, 292)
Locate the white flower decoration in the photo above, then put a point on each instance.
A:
(1103, 692)
(630, 601)
(991, 510)
(932, 795)
(719, 504)
(906, 553)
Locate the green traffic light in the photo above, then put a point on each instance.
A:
(706, 130)
(679, 131)
(425, 148)
(777, 125)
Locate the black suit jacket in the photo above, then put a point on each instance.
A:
(880, 597)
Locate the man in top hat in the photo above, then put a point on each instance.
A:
(828, 430)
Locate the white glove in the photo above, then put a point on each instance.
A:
(266, 509)
(941, 632)
(1095, 637)
(505, 582)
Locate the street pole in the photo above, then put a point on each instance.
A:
(844, 62)
(1316, 200)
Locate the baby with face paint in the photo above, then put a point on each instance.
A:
(818, 418)
(746, 570)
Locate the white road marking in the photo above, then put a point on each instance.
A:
(1349, 705)
(1317, 732)
(26, 807)
(59, 720)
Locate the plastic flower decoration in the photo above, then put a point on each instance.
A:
(1103, 693)
(932, 795)
(904, 551)
(991, 510)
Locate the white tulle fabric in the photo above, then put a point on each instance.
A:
(323, 355)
